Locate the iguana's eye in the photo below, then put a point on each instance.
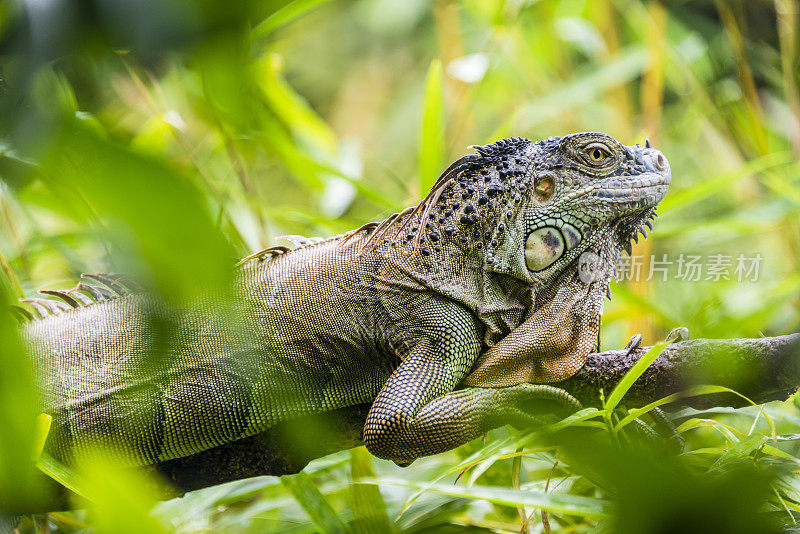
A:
(597, 153)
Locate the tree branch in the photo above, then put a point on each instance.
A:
(762, 369)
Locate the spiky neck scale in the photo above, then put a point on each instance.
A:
(468, 209)
(473, 206)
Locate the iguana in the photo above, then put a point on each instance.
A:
(449, 317)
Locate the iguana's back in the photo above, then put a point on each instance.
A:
(303, 332)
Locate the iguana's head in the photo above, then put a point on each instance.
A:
(530, 209)
(580, 192)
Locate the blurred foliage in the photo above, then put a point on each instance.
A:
(170, 137)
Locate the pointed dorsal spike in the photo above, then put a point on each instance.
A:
(98, 293)
(80, 296)
(107, 280)
(57, 306)
(38, 310)
(63, 295)
(482, 150)
(22, 314)
(262, 255)
(47, 306)
(130, 283)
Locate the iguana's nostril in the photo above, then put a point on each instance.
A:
(661, 163)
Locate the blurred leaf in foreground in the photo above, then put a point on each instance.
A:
(154, 213)
(431, 138)
(18, 476)
(658, 493)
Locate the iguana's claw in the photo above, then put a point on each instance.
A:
(633, 343)
(680, 333)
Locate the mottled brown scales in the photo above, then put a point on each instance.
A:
(444, 317)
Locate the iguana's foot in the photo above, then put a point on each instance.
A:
(681, 333)
(633, 343)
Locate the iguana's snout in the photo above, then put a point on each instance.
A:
(639, 183)
(598, 176)
(629, 199)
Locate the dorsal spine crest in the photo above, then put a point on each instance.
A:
(82, 295)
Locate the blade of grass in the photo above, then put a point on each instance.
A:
(292, 109)
(283, 16)
(314, 503)
(489, 453)
(728, 431)
(693, 392)
(631, 376)
(431, 137)
(60, 473)
(516, 468)
(369, 510)
(43, 422)
(557, 502)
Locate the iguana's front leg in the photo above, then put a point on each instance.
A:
(551, 345)
(417, 413)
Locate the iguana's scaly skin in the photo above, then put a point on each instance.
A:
(475, 287)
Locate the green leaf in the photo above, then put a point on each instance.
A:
(315, 504)
(157, 214)
(633, 374)
(60, 473)
(369, 510)
(729, 432)
(43, 422)
(431, 138)
(739, 451)
(692, 392)
(284, 15)
(18, 411)
(292, 109)
(552, 502)
(121, 500)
